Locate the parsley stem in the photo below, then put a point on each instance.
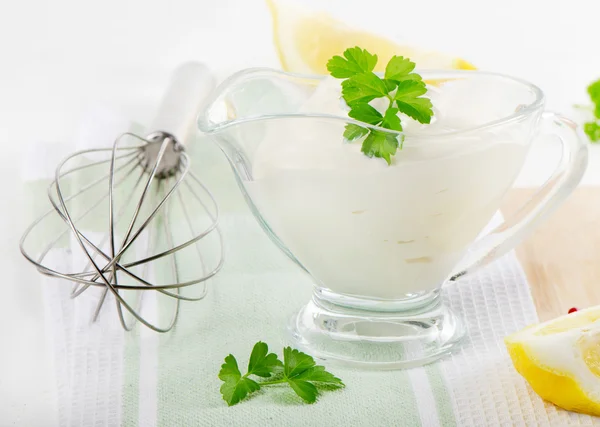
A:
(281, 381)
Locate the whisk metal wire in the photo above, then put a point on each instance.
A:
(168, 184)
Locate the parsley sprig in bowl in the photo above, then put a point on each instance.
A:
(403, 89)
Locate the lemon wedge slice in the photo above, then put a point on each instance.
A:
(306, 41)
(561, 360)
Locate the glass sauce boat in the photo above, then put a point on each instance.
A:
(380, 241)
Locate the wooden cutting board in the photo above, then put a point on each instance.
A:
(561, 258)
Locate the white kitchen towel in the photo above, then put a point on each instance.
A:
(108, 377)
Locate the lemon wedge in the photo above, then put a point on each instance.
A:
(561, 360)
(306, 41)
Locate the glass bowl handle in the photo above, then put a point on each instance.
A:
(555, 190)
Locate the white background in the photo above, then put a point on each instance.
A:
(61, 59)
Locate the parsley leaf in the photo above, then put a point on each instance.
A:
(594, 92)
(380, 144)
(410, 89)
(409, 103)
(355, 61)
(352, 132)
(318, 374)
(364, 59)
(295, 362)
(299, 370)
(403, 88)
(262, 364)
(592, 130)
(399, 68)
(235, 387)
(320, 378)
(363, 88)
(307, 391)
(301, 373)
(417, 108)
(366, 113)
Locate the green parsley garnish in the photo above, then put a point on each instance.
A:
(592, 128)
(298, 370)
(403, 89)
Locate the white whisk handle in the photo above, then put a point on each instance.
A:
(190, 85)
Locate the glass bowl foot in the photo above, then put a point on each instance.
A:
(374, 338)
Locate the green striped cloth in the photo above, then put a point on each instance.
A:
(108, 377)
